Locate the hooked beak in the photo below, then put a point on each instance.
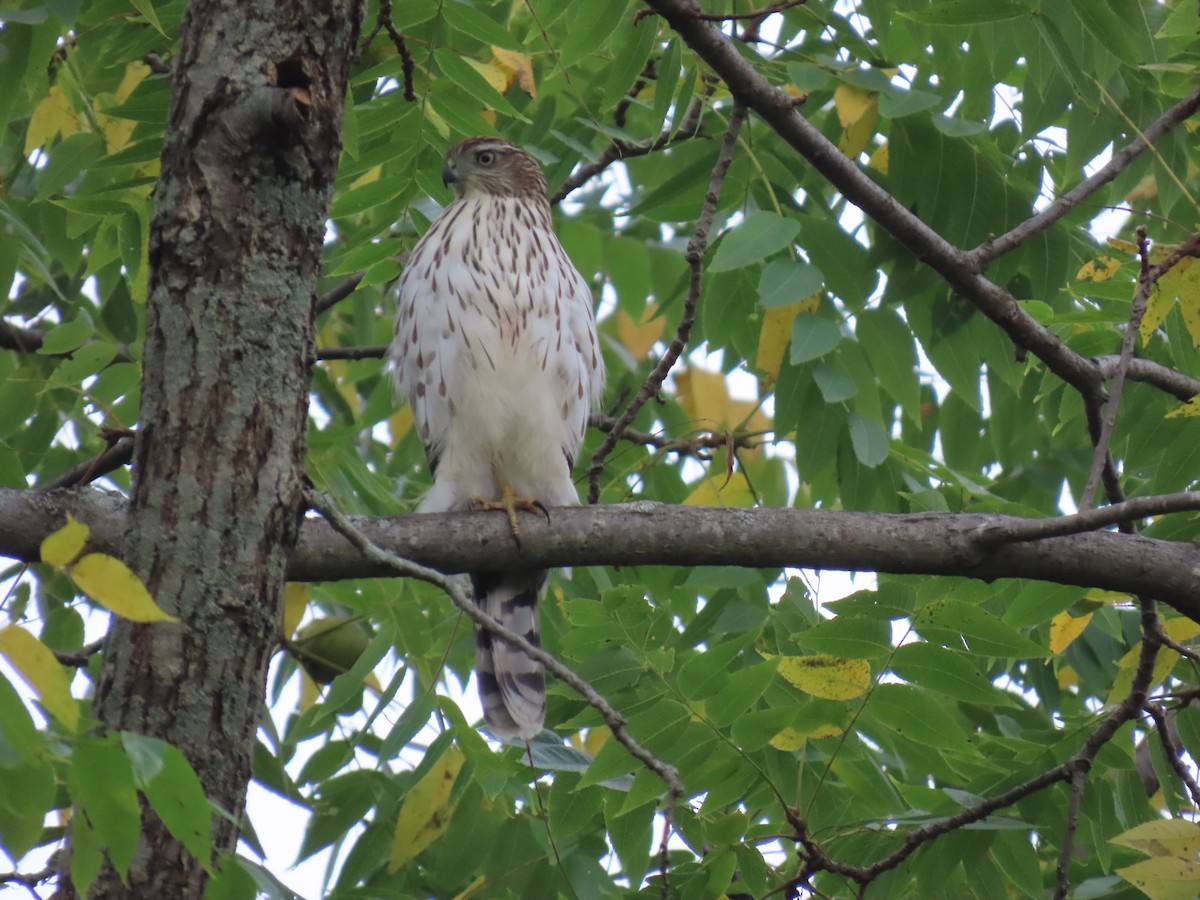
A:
(449, 175)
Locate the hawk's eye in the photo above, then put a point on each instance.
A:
(485, 157)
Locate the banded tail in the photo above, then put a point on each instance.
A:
(512, 687)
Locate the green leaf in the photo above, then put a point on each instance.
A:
(473, 83)
(871, 443)
(968, 12)
(946, 672)
(850, 636)
(467, 18)
(101, 781)
(590, 30)
(571, 808)
(888, 343)
(178, 798)
(755, 238)
(66, 337)
(954, 622)
(785, 281)
(812, 337)
(27, 796)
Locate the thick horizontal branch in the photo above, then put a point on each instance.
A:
(1182, 387)
(656, 534)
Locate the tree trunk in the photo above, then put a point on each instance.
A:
(248, 168)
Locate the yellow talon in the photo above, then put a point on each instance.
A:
(510, 503)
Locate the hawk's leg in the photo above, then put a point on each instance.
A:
(510, 503)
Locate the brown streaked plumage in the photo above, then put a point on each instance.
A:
(496, 350)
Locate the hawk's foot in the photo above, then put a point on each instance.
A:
(510, 503)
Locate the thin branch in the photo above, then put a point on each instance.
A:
(383, 21)
(1173, 751)
(23, 340)
(1091, 519)
(29, 880)
(1120, 161)
(368, 351)
(817, 860)
(760, 14)
(620, 150)
(695, 259)
(337, 293)
(453, 589)
(697, 446)
(1081, 763)
(81, 657)
(1169, 381)
(1148, 278)
(119, 453)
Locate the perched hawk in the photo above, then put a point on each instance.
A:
(496, 348)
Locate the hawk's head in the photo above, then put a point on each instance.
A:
(487, 165)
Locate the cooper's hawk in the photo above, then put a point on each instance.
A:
(496, 349)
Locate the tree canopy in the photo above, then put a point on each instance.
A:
(894, 287)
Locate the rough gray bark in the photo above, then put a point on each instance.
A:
(251, 152)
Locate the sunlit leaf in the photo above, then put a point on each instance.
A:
(37, 664)
(425, 810)
(62, 547)
(114, 586)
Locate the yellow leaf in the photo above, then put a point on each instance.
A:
(1064, 628)
(1191, 408)
(1180, 630)
(53, 115)
(494, 75)
(1101, 268)
(827, 677)
(295, 600)
(880, 158)
(1122, 245)
(1067, 677)
(1180, 284)
(776, 334)
(858, 111)
(721, 491)
(63, 546)
(371, 175)
(110, 583)
(1164, 877)
(439, 124)
(792, 739)
(471, 888)
(310, 691)
(1162, 837)
(597, 737)
(517, 64)
(42, 672)
(400, 423)
(704, 396)
(135, 74)
(425, 811)
(639, 337)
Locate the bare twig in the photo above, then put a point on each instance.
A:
(697, 446)
(336, 294)
(695, 259)
(1090, 519)
(1120, 161)
(1081, 763)
(1147, 279)
(384, 21)
(118, 454)
(817, 860)
(369, 351)
(453, 589)
(1172, 750)
(23, 340)
(619, 150)
(81, 657)
(759, 14)
(29, 880)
